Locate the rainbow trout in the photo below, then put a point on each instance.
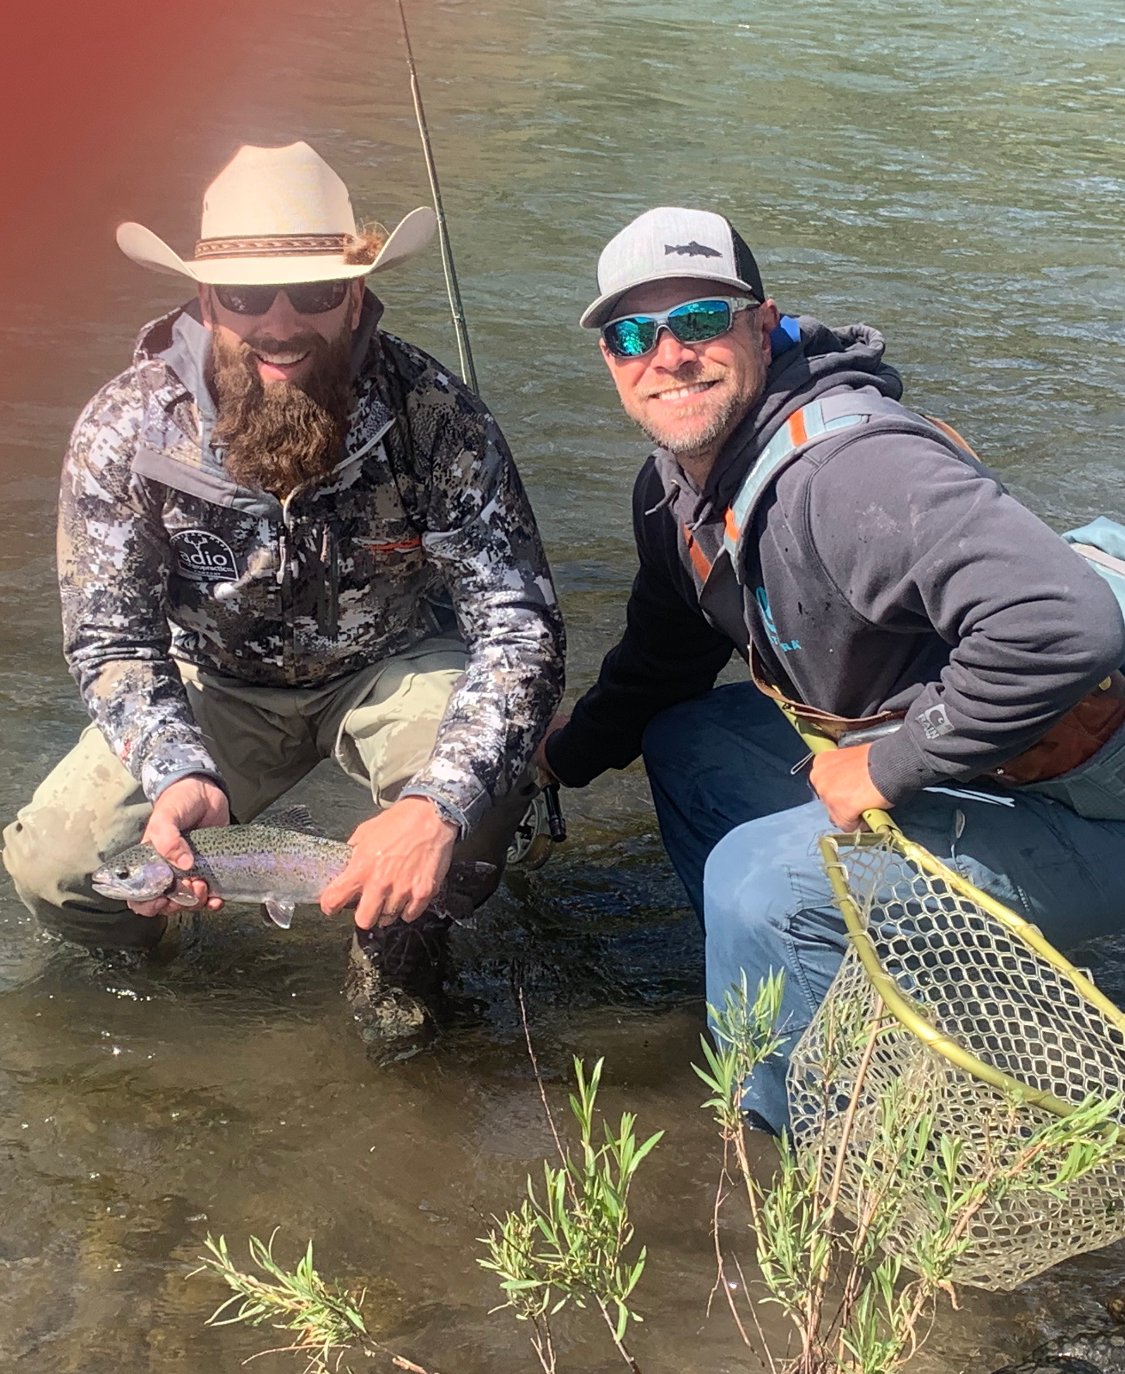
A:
(267, 863)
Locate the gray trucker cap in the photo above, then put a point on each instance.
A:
(672, 242)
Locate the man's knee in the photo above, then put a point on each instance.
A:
(84, 810)
(732, 739)
(675, 746)
(671, 737)
(53, 884)
(39, 861)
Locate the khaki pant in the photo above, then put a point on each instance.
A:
(378, 724)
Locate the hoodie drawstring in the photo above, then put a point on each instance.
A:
(328, 592)
(666, 500)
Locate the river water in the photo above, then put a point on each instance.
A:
(947, 171)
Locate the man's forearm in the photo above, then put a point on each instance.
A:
(497, 714)
(142, 710)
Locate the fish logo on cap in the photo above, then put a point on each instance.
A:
(692, 250)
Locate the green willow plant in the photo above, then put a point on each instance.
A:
(324, 1317)
(571, 1242)
(853, 1306)
(858, 1281)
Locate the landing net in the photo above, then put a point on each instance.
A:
(964, 1018)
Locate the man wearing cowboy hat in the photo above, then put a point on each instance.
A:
(286, 535)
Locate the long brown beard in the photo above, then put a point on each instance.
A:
(279, 436)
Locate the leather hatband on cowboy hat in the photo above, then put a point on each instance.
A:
(276, 216)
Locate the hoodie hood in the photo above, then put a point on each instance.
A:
(821, 360)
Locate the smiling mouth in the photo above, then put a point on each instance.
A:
(281, 359)
(681, 393)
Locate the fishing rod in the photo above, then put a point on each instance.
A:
(556, 825)
(465, 352)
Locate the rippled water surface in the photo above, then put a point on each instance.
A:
(949, 172)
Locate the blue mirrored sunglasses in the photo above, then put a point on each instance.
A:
(632, 336)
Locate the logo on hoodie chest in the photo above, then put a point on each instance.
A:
(782, 646)
(203, 557)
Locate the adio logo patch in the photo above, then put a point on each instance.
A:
(204, 557)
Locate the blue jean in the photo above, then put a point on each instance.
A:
(742, 833)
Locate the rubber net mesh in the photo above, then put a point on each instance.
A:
(991, 993)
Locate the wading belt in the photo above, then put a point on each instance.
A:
(1073, 740)
(824, 721)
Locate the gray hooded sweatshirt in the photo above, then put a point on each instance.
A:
(884, 570)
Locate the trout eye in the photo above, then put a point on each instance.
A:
(121, 871)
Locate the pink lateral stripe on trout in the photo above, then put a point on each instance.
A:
(260, 863)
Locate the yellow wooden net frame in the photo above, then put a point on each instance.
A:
(983, 1028)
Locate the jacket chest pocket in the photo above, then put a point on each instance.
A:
(385, 547)
(225, 566)
(210, 544)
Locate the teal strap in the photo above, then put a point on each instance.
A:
(777, 453)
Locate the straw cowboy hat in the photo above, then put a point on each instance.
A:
(275, 216)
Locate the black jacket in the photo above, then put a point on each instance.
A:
(886, 571)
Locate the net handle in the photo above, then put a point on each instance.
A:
(883, 829)
(817, 742)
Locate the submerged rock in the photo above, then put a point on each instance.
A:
(1051, 1364)
(1094, 1345)
(1100, 1351)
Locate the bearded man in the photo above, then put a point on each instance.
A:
(284, 536)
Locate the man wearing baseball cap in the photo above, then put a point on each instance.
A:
(876, 578)
(286, 535)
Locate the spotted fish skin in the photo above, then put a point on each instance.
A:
(242, 863)
(263, 863)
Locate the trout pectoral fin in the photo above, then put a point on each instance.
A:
(280, 912)
(181, 895)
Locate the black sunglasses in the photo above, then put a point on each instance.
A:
(306, 298)
(632, 336)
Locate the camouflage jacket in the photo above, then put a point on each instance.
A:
(423, 526)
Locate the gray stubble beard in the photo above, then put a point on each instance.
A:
(717, 431)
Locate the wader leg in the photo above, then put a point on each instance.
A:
(381, 739)
(87, 808)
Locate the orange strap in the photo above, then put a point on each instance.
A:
(699, 560)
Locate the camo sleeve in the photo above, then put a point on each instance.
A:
(480, 530)
(113, 563)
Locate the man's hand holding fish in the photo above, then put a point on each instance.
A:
(190, 803)
(399, 860)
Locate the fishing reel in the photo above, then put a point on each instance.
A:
(541, 828)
